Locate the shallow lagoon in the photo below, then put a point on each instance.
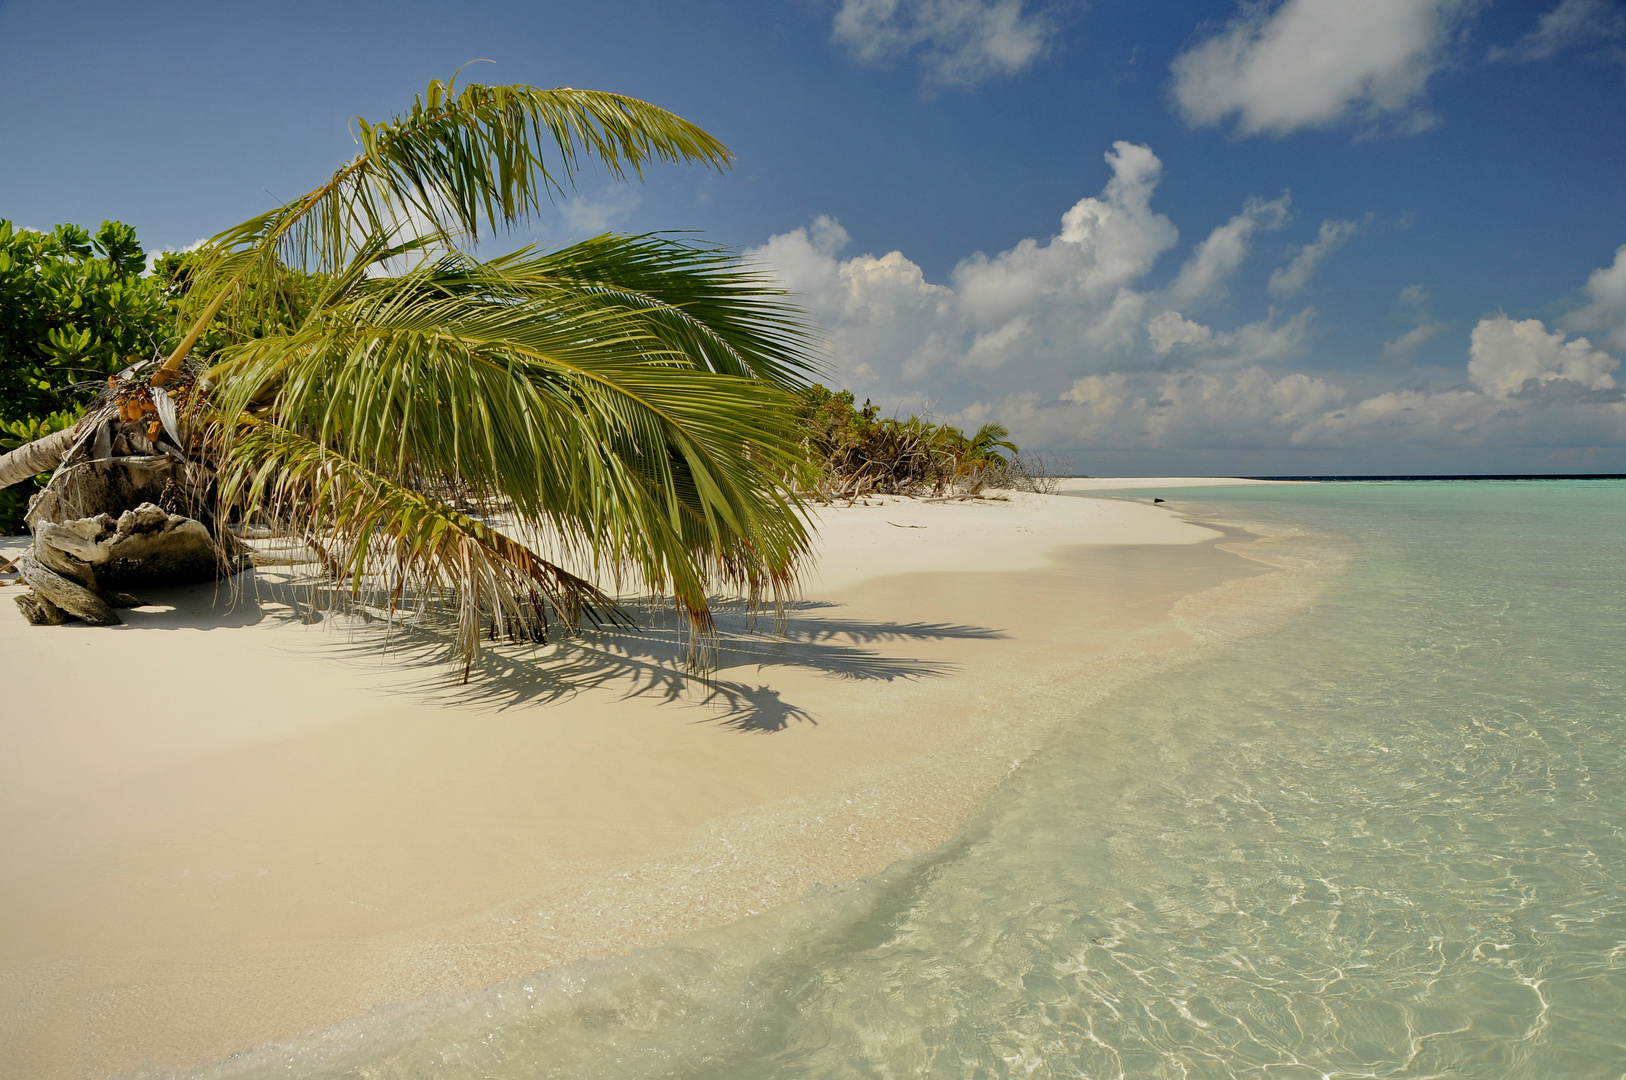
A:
(1386, 840)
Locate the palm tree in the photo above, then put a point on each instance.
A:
(626, 399)
(983, 450)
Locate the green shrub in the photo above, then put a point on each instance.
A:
(854, 451)
(74, 309)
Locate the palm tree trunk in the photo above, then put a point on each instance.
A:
(39, 456)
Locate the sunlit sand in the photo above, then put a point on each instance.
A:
(229, 823)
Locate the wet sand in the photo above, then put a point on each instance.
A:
(228, 824)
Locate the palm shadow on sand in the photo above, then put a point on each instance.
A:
(646, 662)
(649, 662)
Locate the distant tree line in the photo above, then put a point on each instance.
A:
(854, 451)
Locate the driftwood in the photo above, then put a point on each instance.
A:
(127, 507)
(145, 546)
(70, 596)
(40, 611)
(80, 566)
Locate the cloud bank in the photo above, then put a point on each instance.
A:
(1072, 344)
(1526, 387)
(1040, 303)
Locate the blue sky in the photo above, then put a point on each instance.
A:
(1297, 236)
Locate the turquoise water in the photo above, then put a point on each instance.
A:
(1387, 840)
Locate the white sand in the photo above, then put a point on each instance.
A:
(1079, 484)
(222, 826)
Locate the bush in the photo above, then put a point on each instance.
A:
(74, 309)
(853, 451)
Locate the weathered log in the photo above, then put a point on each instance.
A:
(145, 546)
(150, 546)
(70, 596)
(61, 562)
(106, 521)
(80, 491)
(40, 611)
(82, 539)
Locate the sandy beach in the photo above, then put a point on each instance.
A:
(230, 823)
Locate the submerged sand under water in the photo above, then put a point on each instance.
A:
(220, 827)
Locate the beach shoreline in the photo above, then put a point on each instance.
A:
(309, 829)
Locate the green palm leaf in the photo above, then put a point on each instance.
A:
(370, 529)
(628, 435)
(457, 162)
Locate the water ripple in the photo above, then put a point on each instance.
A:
(1384, 842)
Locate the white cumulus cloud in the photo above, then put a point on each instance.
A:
(1509, 357)
(1606, 313)
(1257, 342)
(958, 42)
(1033, 302)
(1289, 280)
(1204, 275)
(1105, 243)
(1077, 298)
(1169, 329)
(1398, 352)
(1313, 63)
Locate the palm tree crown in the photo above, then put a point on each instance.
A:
(626, 399)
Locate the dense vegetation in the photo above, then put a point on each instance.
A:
(77, 308)
(74, 309)
(853, 451)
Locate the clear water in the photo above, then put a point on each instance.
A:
(1388, 840)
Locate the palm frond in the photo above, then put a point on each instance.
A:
(459, 162)
(697, 299)
(590, 410)
(372, 530)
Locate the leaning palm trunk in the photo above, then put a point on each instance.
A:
(625, 398)
(39, 456)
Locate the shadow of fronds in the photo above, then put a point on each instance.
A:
(648, 663)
